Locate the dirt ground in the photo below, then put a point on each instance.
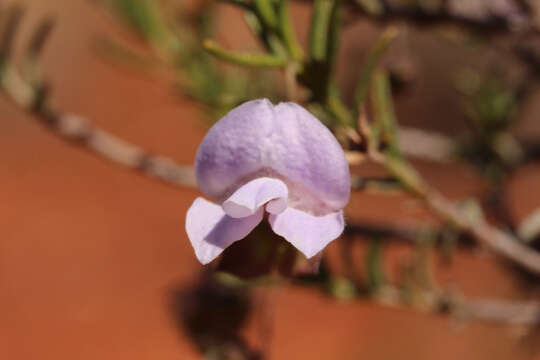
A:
(90, 252)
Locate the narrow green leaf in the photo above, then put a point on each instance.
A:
(142, 15)
(372, 60)
(244, 59)
(374, 266)
(342, 288)
(383, 106)
(405, 173)
(268, 38)
(334, 32)
(319, 34)
(266, 11)
(287, 31)
(146, 17)
(338, 108)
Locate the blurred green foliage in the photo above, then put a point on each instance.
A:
(175, 36)
(490, 108)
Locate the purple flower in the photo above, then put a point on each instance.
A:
(275, 159)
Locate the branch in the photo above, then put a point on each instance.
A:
(493, 238)
(78, 130)
(500, 242)
(524, 313)
(506, 15)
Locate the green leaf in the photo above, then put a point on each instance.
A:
(342, 288)
(142, 15)
(374, 266)
(319, 30)
(266, 11)
(287, 31)
(385, 119)
(243, 59)
(405, 173)
(373, 58)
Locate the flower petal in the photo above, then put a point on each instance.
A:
(277, 206)
(260, 138)
(309, 234)
(251, 196)
(211, 231)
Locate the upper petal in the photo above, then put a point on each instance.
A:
(258, 137)
(210, 230)
(307, 153)
(250, 197)
(309, 234)
(232, 148)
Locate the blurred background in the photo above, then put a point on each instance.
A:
(94, 259)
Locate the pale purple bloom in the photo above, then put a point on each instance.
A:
(275, 159)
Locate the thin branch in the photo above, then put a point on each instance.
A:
(493, 238)
(500, 242)
(524, 313)
(78, 130)
(520, 313)
(529, 228)
(506, 15)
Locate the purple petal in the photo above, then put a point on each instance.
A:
(286, 140)
(211, 231)
(309, 234)
(251, 196)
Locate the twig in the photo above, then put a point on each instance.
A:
(524, 313)
(521, 313)
(78, 130)
(493, 238)
(529, 228)
(392, 160)
(507, 15)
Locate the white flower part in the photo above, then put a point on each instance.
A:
(309, 234)
(279, 159)
(249, 198)
(211, 231)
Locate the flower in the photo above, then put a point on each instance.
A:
(261, 158)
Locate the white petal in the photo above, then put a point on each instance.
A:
(309, 234)
(211, 231)
(276, 206)
(251, 196)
